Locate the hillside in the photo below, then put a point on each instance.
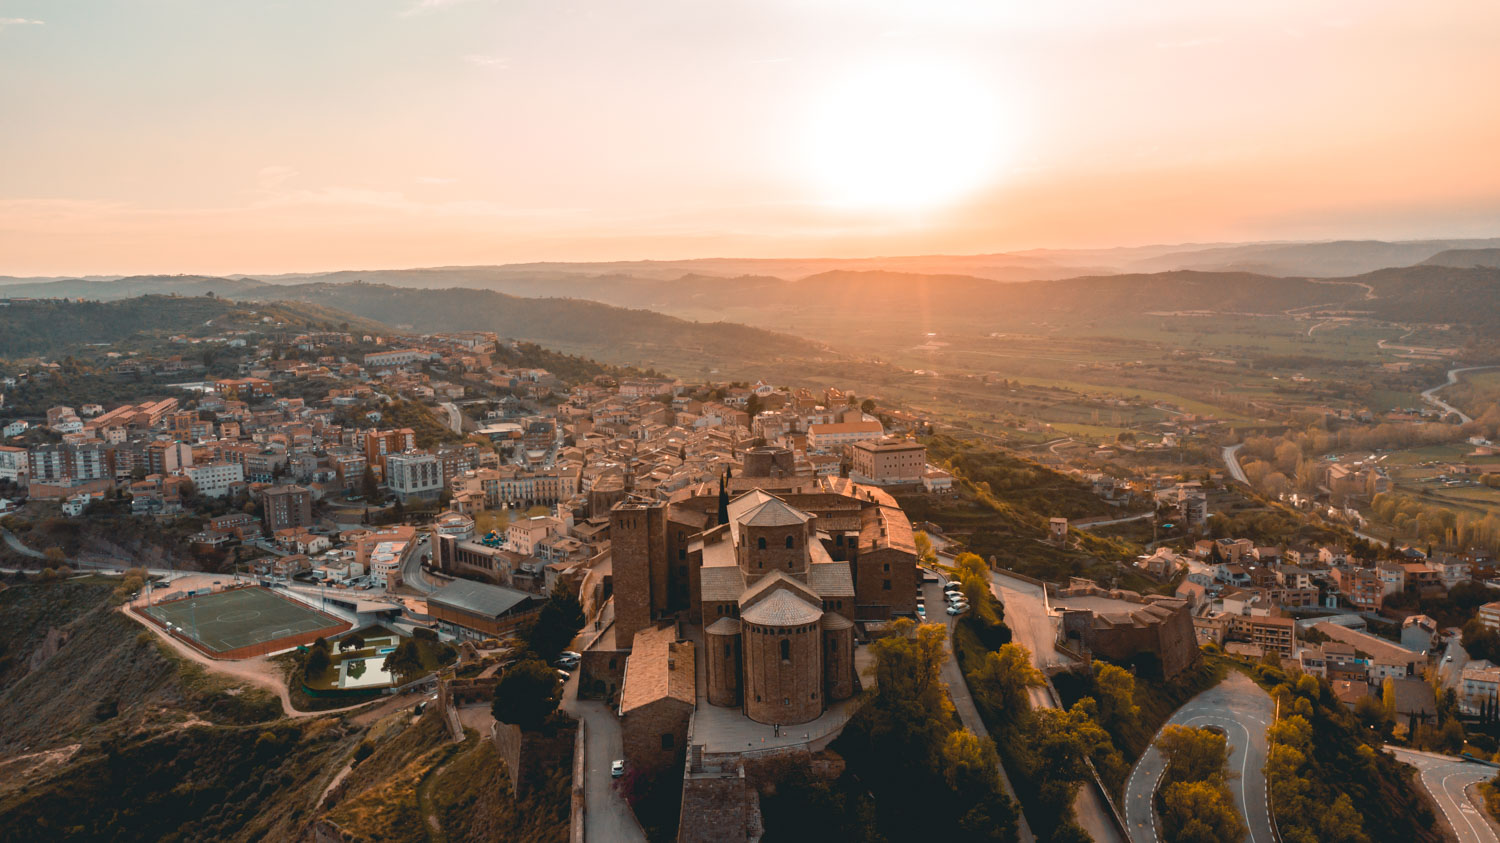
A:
(610, 334)
(51, 326)
(104, 289)
(1466, 258)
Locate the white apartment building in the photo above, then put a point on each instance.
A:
(414, 475)
(827, 437)
(13, 463)
(213, 480)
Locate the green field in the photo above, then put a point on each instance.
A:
(227, 620)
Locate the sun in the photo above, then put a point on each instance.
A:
(909, 135)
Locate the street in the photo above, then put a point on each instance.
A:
(1244, 712)
(1447, 780)
(1031, 625)
(958, 690)
(1232, 462)
(607, 816)
(411, 569)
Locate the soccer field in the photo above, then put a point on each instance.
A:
(228, 620)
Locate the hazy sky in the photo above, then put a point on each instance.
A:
(262, 136)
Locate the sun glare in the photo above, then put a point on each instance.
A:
(904, 136)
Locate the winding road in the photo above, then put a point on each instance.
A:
(1239, 707)
(1430, 395)
(1232, 462)
(1448, 779)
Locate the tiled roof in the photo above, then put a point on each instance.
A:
(773, 513)
(831, 579)
(722, 583)
(724, 626)
(658, 667)
(782, 608)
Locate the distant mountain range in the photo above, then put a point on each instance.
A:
(644, 314)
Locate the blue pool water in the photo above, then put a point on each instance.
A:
(384, 650)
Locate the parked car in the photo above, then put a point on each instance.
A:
(566, 665)
(571, 655)
(617, 769)
(951, 586)
(563, 676)
(921, 611)
(958, 609)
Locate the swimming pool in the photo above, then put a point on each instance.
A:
(385, 650)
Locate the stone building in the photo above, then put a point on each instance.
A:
(657, 699)
(778, 581)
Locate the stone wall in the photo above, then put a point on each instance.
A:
(601, 673)
(528, 756)
(783, 691)
(642, 730)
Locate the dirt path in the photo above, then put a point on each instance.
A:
(259, 670)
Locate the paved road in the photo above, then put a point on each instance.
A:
(411, 569)
(1451, 668)
(607, 816)
(1244, 712)
(455, 418)
(19, 547)
(1026, 613)
(958, 690)
(1232, 462)
(1447, 780)
(1430, 395)
(1089, 525)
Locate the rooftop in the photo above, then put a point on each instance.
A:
(479, 598)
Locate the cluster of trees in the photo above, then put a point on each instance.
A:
(1412, 519)
(1323, 761)
(952, 772)
(1194, 798)
(529, 692)
(1046, 750)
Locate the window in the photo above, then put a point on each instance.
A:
(727, 651)
(761, 543)
(887, 567)
(887, 585)
(786, 650)
(790, 542)
(666, 740)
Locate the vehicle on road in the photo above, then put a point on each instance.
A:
(617, 769)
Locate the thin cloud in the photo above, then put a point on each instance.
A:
(4, 22)
(487, 61)
(422, 7)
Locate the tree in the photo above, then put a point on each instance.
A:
(55, 556)
(352, 641)
(404, 661)
(1192, 754)
(925, 554)
(867, 406)
(559, 620)
(317, 662)
(1198, 812)
(910, 705)
(368, 487)
(1114, 689)
(1001, 680)
(527, 694)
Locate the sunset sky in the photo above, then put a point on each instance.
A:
(262, 136)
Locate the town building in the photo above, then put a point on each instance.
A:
(286, 506)
(888, 462)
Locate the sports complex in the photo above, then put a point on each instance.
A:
(242, 622)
